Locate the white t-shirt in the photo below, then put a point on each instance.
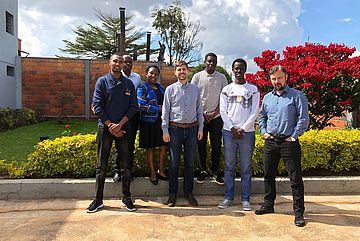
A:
(239, 105)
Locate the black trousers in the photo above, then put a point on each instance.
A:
(214, 129)
(134, 122)
(105, 140)
(290, 152)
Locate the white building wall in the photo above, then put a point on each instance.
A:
(8, 53)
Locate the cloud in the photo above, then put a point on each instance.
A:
(355, 54)
(245, 28)
(234, 28)
(346, 20)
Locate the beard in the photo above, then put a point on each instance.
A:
(279, 87)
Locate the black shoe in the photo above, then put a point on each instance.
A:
(218, 179)
(129, 204)
(94, 206)
(161, 177)
(299, 221)
(171, 201)
(264, 210)
(201, 177)
(192, 200)
(117, 177)
(155, 182)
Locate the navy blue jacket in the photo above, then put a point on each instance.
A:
(114, 99)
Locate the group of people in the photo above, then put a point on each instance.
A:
(179, 120)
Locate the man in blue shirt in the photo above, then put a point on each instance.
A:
(114, 102)
(283, 118)
(182, 125)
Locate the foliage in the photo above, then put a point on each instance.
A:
(326, 74)
(14, 118)
(201, 67)
(17, 144)
(178, 33)
(75, 156)
(94, 41)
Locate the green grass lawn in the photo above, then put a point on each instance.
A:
(17, 144)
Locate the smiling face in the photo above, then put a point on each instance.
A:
(181, 72)
(278, 80)
(239, 70)
(116, 63)
(152, 75)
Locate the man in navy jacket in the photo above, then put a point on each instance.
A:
(114, 102)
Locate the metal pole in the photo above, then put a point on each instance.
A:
(135, 54)
(148, 38)
(122, 30)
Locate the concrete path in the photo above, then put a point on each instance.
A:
(328, 218)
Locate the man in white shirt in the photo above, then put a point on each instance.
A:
(239, 104)
(210, 83)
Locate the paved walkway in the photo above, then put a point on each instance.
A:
(328, 218)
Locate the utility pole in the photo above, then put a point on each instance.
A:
(121, 40)
(148, 39)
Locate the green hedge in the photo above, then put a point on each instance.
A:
(14, 118)
(75, 156)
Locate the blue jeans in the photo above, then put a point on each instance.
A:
(232, 146)
(179, 138)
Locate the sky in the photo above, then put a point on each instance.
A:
(233, 28)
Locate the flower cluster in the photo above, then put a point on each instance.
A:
(326, 74)
(67, 131)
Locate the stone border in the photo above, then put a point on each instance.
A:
(142, 187)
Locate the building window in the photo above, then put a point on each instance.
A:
(9, 23)
(10, 71)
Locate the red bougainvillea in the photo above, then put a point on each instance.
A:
(326, 74)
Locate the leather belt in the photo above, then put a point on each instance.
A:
(183, 125)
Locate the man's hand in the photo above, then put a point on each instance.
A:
(200, 135)
(290, 139)
(116, 130)
(166, 138)
(237, 133)
(266, 136)
(211, 115)
(206, 118)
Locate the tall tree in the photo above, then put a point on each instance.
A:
(179, 34)
(94, 41)
(327, 75)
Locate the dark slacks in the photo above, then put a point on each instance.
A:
(214, 129)
(105, 140)
(290, 152)
(134, 122)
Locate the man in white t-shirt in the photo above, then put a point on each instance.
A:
(239, 104)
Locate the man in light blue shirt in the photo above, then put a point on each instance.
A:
(182, 125)
(283, 118)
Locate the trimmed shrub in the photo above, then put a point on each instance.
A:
(76, 156)
(14, 118)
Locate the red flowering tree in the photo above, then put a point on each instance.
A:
(326, 74)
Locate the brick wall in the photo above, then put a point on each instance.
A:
(44, 80)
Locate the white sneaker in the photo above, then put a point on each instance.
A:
(225, 204)
(246, 206)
